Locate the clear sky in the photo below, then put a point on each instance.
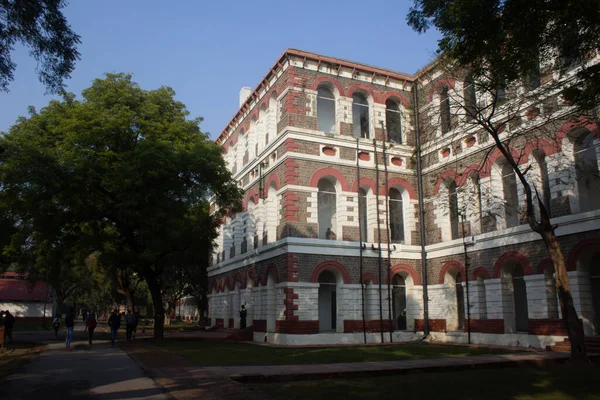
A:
(208, 50)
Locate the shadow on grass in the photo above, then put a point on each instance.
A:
(223, 353)
(549, 383)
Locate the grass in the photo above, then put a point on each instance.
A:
(551, 383)
(15, 355)
(24, 326)
(221, 353)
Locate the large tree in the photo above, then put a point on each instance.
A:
(41, 26)
(524, 49)
(126, 170)
(514, 37)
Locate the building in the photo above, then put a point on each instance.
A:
(24, 299)
(327, 153)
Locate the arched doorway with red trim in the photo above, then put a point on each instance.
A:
(511, 268)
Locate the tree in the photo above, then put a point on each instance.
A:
(124, 168)
(505, 44)
(512, 37)
(517, 118)
(41, 26)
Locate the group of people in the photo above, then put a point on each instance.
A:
(8, 321)
(131, 323)
(114, 322)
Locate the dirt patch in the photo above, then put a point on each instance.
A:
(13, 357)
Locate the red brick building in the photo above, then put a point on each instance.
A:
(354, 178)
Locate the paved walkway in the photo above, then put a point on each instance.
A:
(181, 379)
(355, 369)
(87, 372)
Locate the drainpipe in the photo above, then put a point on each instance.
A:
(421, 211)
(389, 240)
(360, 238)
(466, 256)
(378, 238)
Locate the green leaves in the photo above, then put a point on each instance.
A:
(41, 26)
(510, 38)
(122, 173)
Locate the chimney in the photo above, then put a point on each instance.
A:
(244, 94)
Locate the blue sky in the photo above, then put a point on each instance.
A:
(207, 51)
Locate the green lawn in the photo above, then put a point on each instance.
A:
(553, 383)
(221, 353)
(24, 326)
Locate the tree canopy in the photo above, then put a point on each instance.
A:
(41, 26)
(511, 38)
(122, 172)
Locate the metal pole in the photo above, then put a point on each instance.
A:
(387, 224)
(466, 280)
(360, 238)
(378, 239)
(421, 211)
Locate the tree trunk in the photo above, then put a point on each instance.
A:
(129, 298)
(569, 314)
(159, 310)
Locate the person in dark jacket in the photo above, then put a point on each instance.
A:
(56, 325)
(9, 322)
(243, 314)
(90, 324)
(115, 323)
(70, 324)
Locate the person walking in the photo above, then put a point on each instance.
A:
(243, 314)
(128, 324)
(136, 320)
(70, 324)
(115, 323)
(91, 325)
(9, 322)
(56, 325)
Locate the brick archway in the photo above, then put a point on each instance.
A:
(330, 266)
(480, 271)
(384, 97)
(328, 171)
(397, 268)
(452, 265)
(364, 182)
(369, 276)
(512, 256)
(580, 249)
(545, 264)
(271, 269)
(399, 182)
(325, 79)
(448, 174)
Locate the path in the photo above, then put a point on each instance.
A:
(87, 372)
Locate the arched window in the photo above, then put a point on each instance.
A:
(470, 98)
(586, 172)
(475, 214)
(396, 216)
(271, 130)
(362, 215)
(393, 119)
(445, 110)
(325, 110)
(509, 189)
(453, 209)
(327, 209)
(543, 184)
(360, 115)
(399, 302)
